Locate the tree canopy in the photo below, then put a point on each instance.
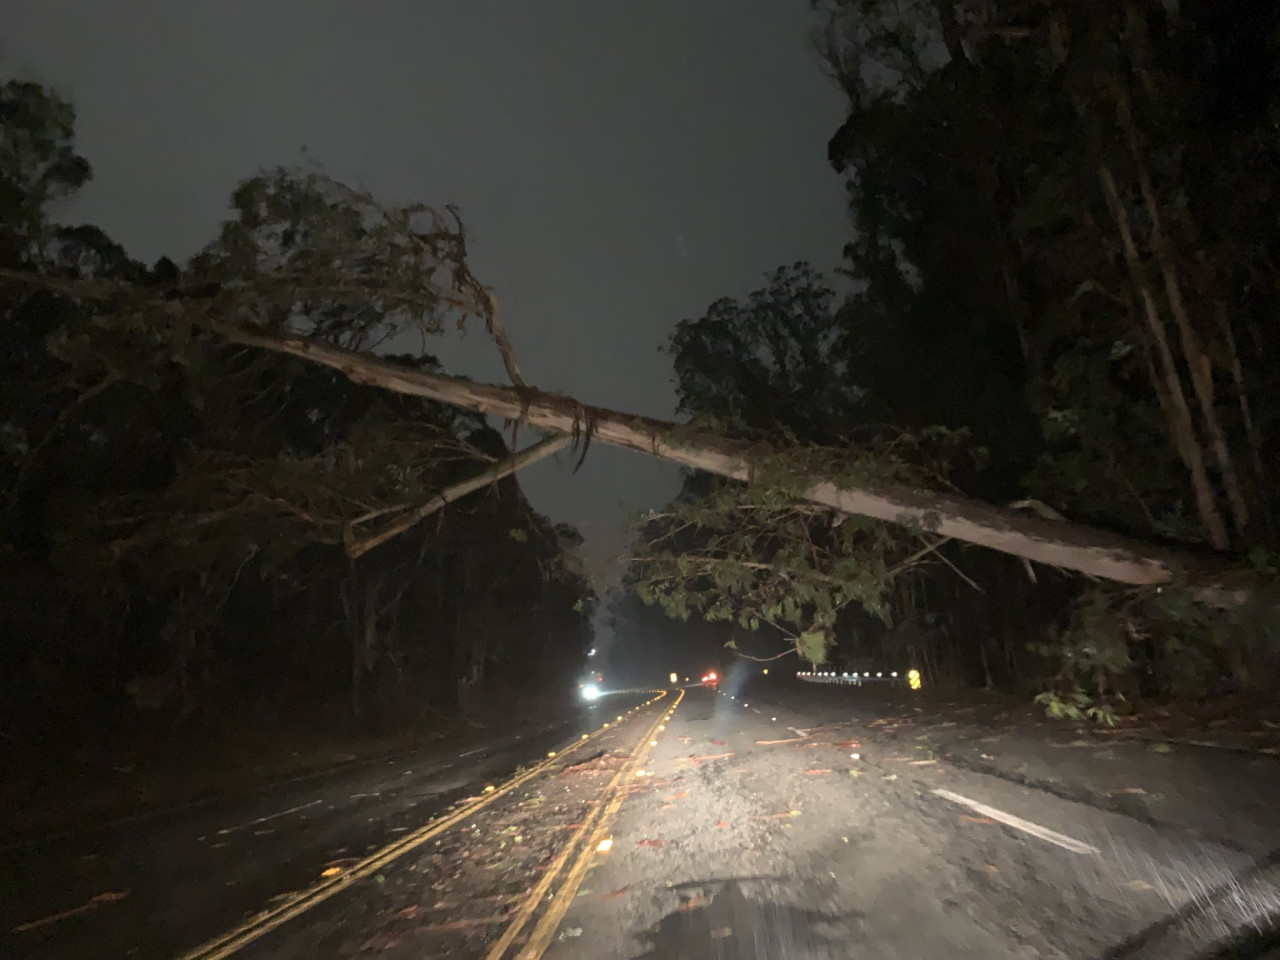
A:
(1060, 277)
(194, 524)
(1063, 259)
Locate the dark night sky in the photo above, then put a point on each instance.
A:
(619, 166)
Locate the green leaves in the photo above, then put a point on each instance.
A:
(38, 165)
(812, 646)
(308, 254)
(212, 493)
(770, 363)
(757, 556)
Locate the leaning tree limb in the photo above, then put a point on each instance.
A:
(1057, 543)
(504, 468)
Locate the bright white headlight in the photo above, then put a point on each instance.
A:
(590, 692)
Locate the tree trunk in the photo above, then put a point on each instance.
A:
(1246, 414)
(1057, 543)
(504, 468)
(364, 644)
(1197, 361)
(1178, 411)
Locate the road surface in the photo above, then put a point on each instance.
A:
(750, 822)
(154, 887)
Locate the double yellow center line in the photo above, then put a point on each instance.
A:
(585, 841)
(300, 902)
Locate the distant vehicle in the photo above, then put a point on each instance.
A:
(589, 688)
(710, 679)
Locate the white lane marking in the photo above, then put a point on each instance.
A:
(1044, 833)
(473, 752)
(798, 733)
(253, 823)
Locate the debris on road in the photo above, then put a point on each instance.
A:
(92, 904)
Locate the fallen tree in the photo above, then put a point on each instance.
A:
(1057, 543)
(499, 471)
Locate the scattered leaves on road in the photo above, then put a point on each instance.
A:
(700, 759)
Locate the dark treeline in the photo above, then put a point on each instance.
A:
(198, 534)
(1061, 292)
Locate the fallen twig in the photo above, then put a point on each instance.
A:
(94, 903)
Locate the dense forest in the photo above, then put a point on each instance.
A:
(193, 533)
(1062, 289)
(1058, 297)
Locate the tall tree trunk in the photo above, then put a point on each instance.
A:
(1197, 361)
(364, 644)
(1246, 414)
(1056, 543)
(1181, 427)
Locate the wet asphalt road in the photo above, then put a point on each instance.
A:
(169, 881)
(777, 825)
(769, 839)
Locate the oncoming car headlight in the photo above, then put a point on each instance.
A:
(590, 692)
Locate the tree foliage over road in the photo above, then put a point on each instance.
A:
(194, 527)
(1064, 253)
(1062, 284)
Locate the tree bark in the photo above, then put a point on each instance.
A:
(1197, 362)
(1178, 411)
(1057, 543)
(505, 468)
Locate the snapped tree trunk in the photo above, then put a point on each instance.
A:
(1057, 543)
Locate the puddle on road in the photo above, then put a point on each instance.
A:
(742, 920)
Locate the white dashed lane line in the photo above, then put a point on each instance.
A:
(1026, 826)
